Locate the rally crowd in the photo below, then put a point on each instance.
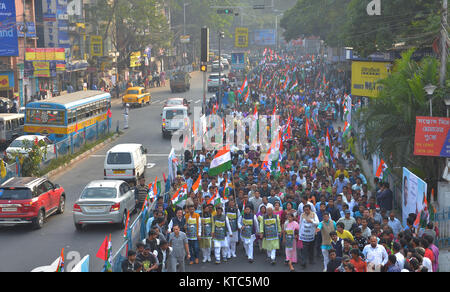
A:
(312, 199)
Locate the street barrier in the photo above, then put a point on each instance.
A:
(136, 232)
(443, 219)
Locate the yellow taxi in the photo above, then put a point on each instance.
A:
(136, 96)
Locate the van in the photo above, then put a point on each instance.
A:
(11, 127)
(125, 162)
(174, 118)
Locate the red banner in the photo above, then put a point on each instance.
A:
(432, 137)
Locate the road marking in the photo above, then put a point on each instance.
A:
(198, 101)
(151, 165)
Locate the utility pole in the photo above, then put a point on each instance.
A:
(25, 30)
(444, 37)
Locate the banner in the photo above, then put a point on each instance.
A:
(413, 191)
(96, 46)
(44, 62)
(241, 37)
(264, 37)
(4, 82)
(9, 45)
(135, 59)
(432, 137)
(365, 75)
(45, 54)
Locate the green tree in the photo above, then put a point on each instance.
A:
(30, 162)
(346, 23)
(390, 119)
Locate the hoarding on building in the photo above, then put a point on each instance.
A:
(264, 37)
(9, 45)
(241, 37)
(365, 76)
(432, 137)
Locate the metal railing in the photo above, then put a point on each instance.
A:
(443, 219)
(136, 232)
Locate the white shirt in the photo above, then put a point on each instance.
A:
(426, 262)
(300, 208)
(400, 260)
(377, 255)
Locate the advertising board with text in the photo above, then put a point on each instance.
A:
(365, 76)
(9, 45)
(241, 37)
(432, 137)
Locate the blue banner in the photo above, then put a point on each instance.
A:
(8, 30)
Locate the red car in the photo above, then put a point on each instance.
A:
(29, 200)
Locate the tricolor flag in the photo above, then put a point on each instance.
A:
(213, 197)
(295, 86)
(104, 253)
(60, 267)
(125, 233)
(246, 95)
(328, 149)
(180, 195)
(244, 86)
(347, 129)
(221, 162)
(260, 81)
(381, 168)
(197, 186)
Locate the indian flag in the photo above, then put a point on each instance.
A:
(221, 162)
(60, 267)
(180, 195)
(197, 186)
(381, 168)
(246, 95)
(108, 263)
(328, 150)
(244, 86)
(295, 86)
(347, 128)
(213, 198)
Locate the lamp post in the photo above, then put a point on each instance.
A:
(221, 36)
(430, 88)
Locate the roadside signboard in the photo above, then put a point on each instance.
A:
(432, 137)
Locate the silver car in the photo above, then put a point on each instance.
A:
(104, 202)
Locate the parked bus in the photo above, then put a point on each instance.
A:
(11, 127)
(65, 115)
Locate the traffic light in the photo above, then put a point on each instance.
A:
(225, 11)
(203, 68)
(205, 45)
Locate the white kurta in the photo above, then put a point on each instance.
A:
(235, 237)
(256, 228)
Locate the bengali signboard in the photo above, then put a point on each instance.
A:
(9, 45)
(365, 76)
(432, 137)
(135, 59)
(96, 46)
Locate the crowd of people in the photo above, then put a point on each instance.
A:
(311, 204)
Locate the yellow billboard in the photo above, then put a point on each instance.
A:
(135, 59)
(241, 37)
(4, 81)
(96, 46)
(365, 76)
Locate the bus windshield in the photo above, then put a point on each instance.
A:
(48, 117)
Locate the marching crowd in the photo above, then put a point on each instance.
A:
(312, 202)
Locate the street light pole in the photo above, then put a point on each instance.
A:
(220, 73)
(430, 88)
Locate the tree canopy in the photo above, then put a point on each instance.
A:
(346, 23)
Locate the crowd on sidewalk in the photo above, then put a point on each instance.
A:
(308, 196)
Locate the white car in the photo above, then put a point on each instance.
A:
(225, 63)
(17, 146)
(213, 81)
(215, 66)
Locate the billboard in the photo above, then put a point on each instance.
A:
(264, 37)
(241, 37)
(432, 137)
(96, 46)
(44, 62)
(413, 192)
(135, 59)
(8, 29)
(6, 80)
(365, 75)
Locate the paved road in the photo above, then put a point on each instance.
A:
(23, 249)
